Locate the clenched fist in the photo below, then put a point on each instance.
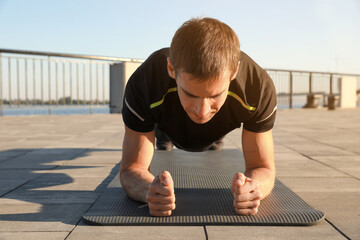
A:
(161, 196)
(246, 194)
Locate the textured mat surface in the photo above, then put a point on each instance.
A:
(203, 196)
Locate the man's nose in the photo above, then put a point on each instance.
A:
(202, 107)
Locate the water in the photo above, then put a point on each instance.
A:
(283, 103)
(60, 110)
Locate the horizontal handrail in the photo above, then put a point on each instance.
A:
(119, 59)
(52, 54)
(313, 72)
(38, 79)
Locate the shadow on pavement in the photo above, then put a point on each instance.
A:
(34, 178)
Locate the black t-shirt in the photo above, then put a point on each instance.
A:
(151, 98)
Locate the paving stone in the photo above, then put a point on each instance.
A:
(322, 185)
(11, 179)
(137, 232)
(290, 156)
(53, 203)
(32, 163)
(347, 164)
(98, 157)
(313, 149)
(279, 148)
(305, 168)
(71, 178)
(322, 230)
(41, 158)
(20, 216)
(10, 154)
(340, 208)
(33, 235)
(53, 196)
(3, 192)
(28, 145)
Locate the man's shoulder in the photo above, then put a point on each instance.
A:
(160, 56)
(251, 80)
(152, 78)
(155, 66)
(249, 66)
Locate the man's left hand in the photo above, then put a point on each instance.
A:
(246, 194)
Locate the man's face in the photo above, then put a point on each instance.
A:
(202, 100)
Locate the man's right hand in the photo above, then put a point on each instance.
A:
(161, 196)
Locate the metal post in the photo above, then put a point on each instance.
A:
(331, 84)
(26, 82)
(104, 68)
(18, 81)
(332, 101)
(291, 90)
(77, 83)
(57, 82)
(34, 81)
(9, 65)
(84, 79)
(64, 83)
(91, 79)
(310, 83)
(1, 89)
(71, 84)
(97, 84)
(42, 81)
(49, 78)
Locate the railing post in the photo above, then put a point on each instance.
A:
(42, 81)
(311, 99)
(49, 78)
(18, 82)
(104, 69)
(10, 98)
(291, 91)
(71, 77)
(34, 82)
(57, 83)
(77, 83)
(84, 83)
(310, 83)
(332, 101)
(91, 80)
(331, 84)
(26, 82)
(1, 89)
(64, 82)
(97, 84)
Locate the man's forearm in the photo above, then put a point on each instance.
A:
(135, 183)
(265, 177)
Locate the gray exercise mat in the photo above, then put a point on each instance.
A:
(203, 196)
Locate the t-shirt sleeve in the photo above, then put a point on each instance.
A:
(136, 106)
(264, 116)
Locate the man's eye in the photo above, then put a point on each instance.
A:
(216, 97)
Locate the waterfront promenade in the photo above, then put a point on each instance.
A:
(53, 168)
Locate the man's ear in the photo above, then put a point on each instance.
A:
(236, 71)
(170, 68)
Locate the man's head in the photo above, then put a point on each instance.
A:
(204, 58)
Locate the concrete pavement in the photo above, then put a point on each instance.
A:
(53, 168)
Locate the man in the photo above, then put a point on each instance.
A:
(195, 93)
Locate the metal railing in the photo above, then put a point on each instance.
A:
(293, 86)
(30, 79)
(48, 81)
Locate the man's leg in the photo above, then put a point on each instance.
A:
(163, 142)
(217, 145)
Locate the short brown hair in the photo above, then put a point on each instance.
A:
(204, 47)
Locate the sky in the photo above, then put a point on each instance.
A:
(312, 35)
